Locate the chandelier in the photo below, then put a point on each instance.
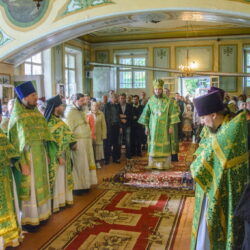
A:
(187, 70)
(37, 3)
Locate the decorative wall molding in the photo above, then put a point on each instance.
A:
(228, 63)
(4, 38)
(77, 5)
(24, 13)
(161, 60)
(102, 56)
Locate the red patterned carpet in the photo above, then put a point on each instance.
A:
(130, 217)
(122, 220)
(135, 172)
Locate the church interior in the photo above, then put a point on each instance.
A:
(66, 47)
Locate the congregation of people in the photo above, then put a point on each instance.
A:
(54, 148)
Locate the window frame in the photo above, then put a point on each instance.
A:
(31, 63)
(133, 71)
(68, 69)
(246, 67)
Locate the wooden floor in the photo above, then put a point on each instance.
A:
(58, 220)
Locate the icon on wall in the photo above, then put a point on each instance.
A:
(4, 79)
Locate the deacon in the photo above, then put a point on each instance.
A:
(221, 172)
(10, 227)
(28, 132)
(84, 168)
(159, 117)
(60, 170)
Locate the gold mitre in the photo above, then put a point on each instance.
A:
(158, 83)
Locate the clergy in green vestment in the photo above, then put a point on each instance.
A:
(159, 117)
(10, 227)
(221, 172)
(174, 138)
(5, 120)
(28, 131)
(60, 170)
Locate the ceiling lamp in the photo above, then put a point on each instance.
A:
(188, 68)
(38, 3)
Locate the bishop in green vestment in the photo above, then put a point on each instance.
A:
(159, 117)
(28, 131)
(10, 228)
(60, 170)
(221, 172)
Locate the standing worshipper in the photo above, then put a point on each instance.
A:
(187, 123)
(159, 116)
(125, 110)
(103, 102)
(29, 133)
(10, 227)
(112, 117)
(137, 129)
(84, 168)
(143, 101)
(60, 170)
(100, 133)
(221, 172)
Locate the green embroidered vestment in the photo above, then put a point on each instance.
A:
(9, 228)
(221, 172)
(28, 131)
(64, 137)
(159, 115)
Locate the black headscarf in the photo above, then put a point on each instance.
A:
(51, 104)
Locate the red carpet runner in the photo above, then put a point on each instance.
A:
(123, 220)
(127, 217)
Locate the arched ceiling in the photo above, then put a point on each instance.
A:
(139, 26)
(178, 24)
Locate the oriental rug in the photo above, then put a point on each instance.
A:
(135, 172)
(123, 220)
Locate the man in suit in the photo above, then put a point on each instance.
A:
(137, 130)
(125, 111)
(112, 117)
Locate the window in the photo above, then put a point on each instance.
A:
(70, 74)
(247, 67)
(34, 65)
(132, 78)
(194, 86)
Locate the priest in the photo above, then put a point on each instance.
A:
(28, 131)
(221, 172)
(84, 168)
